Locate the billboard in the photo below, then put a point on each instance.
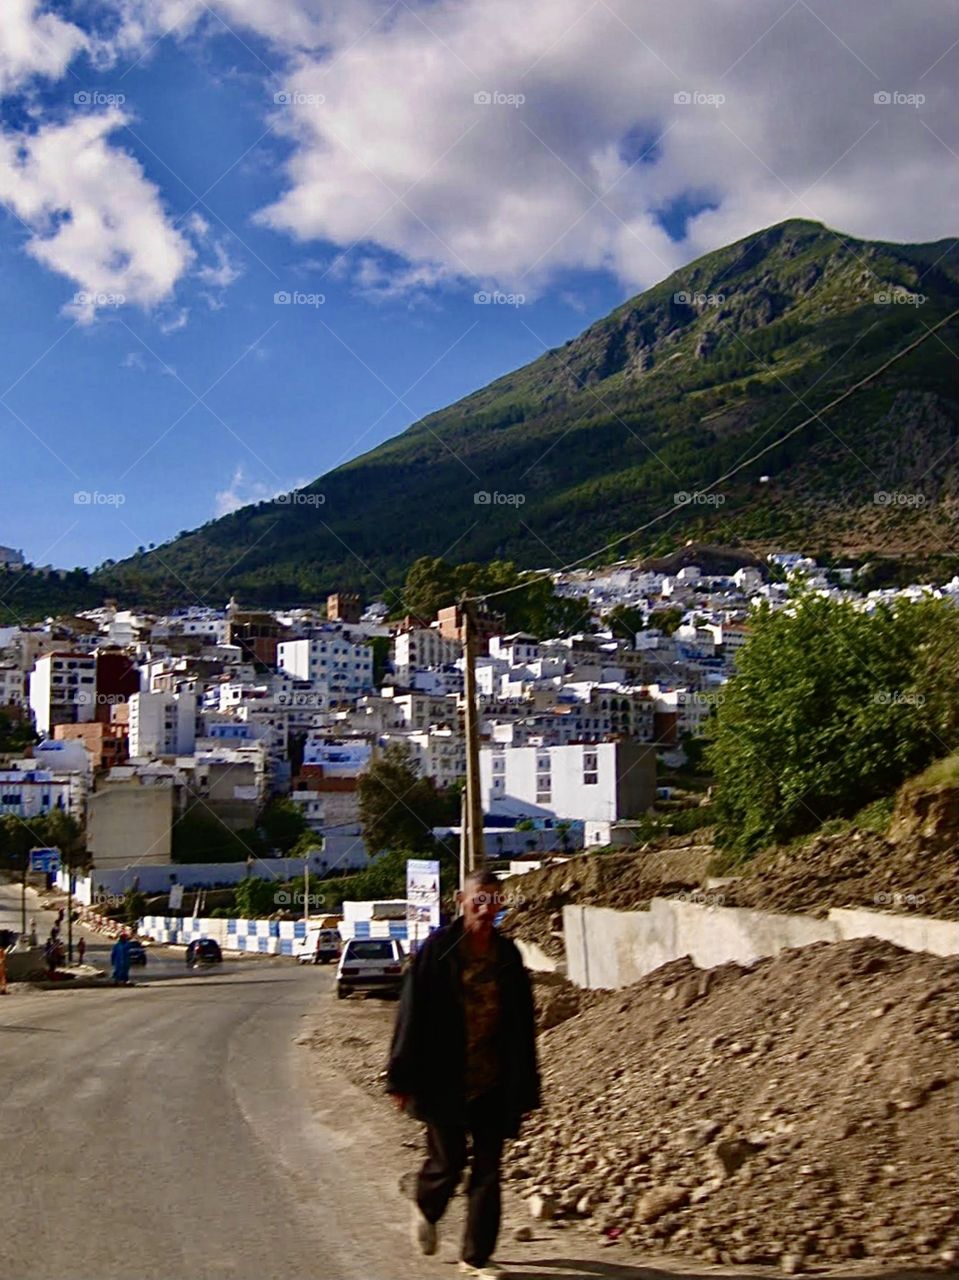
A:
(422, 896)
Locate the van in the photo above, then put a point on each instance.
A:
(320, 946)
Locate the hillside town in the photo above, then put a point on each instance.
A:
(141, 718)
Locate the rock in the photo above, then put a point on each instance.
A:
(523, 1233)
(791, 1264)
(584, 1205)
(733, 1153)
(660, 1200)
(541, 1207)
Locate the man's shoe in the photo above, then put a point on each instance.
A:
(424, 1232)
(490, 1270)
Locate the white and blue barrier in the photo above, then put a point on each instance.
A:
(268, 937)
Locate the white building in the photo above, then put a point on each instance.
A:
(422, 647)
(28, 793)
(63, 690)
(162, 724)
(11, 685)
(602, 781)
(330, 660)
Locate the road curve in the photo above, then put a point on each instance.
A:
(164, 1131)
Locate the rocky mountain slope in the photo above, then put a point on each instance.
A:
(655, 401)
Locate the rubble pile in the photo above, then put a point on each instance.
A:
(627, 881)
(801, 1112)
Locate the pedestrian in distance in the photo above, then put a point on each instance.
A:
(81, 950)
(33, 933)
(463, 1060)
(120, 959)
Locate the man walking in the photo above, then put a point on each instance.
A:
(463, 1060)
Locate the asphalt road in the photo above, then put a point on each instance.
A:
(179, 1129)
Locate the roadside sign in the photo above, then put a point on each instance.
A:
(422, 897)
(176, 897)
(45, 860)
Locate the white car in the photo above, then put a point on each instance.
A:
(370, 964)
(320, 946)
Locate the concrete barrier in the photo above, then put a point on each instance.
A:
(610, 949)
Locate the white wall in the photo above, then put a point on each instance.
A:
(612, 949)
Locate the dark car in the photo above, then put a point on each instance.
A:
(138, 952)
(203, 951)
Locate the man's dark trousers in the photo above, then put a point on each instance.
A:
(445, 1162)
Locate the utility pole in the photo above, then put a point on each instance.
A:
(463, 840)
(475, 851)
(69, 862)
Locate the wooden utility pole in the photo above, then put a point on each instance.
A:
(475, 852)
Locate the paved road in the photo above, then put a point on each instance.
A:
(161, 1132)
(177, 1130)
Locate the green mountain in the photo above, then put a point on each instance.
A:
(670, 391)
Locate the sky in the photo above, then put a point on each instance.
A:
(243, 241)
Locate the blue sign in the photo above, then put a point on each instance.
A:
(46, 860)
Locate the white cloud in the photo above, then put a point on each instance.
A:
(392, 153)
(134, 360)
(221, 273)
(91, 213)
(240, 492)
(35, 44)
(173, 321)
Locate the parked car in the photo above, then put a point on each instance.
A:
(370, 964)
(138, 952)
(203, 951)
(320, 946)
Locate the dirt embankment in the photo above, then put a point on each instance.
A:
(913, 869)
(800, 1112)
(626, 881)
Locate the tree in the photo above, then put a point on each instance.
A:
(256, 898)
(666, 620)
(398, 808)
(831, 708)
(282, 824)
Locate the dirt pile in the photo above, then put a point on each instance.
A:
(914, 868)
(801, 1112)
(626, 881)
(856, 869)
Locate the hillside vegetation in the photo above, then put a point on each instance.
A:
(664, 395)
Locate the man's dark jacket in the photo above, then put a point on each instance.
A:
(428, 1054)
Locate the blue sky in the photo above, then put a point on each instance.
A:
(168, 168)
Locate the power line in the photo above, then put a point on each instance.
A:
(662, 515)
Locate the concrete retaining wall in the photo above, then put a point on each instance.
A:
(611, 949)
